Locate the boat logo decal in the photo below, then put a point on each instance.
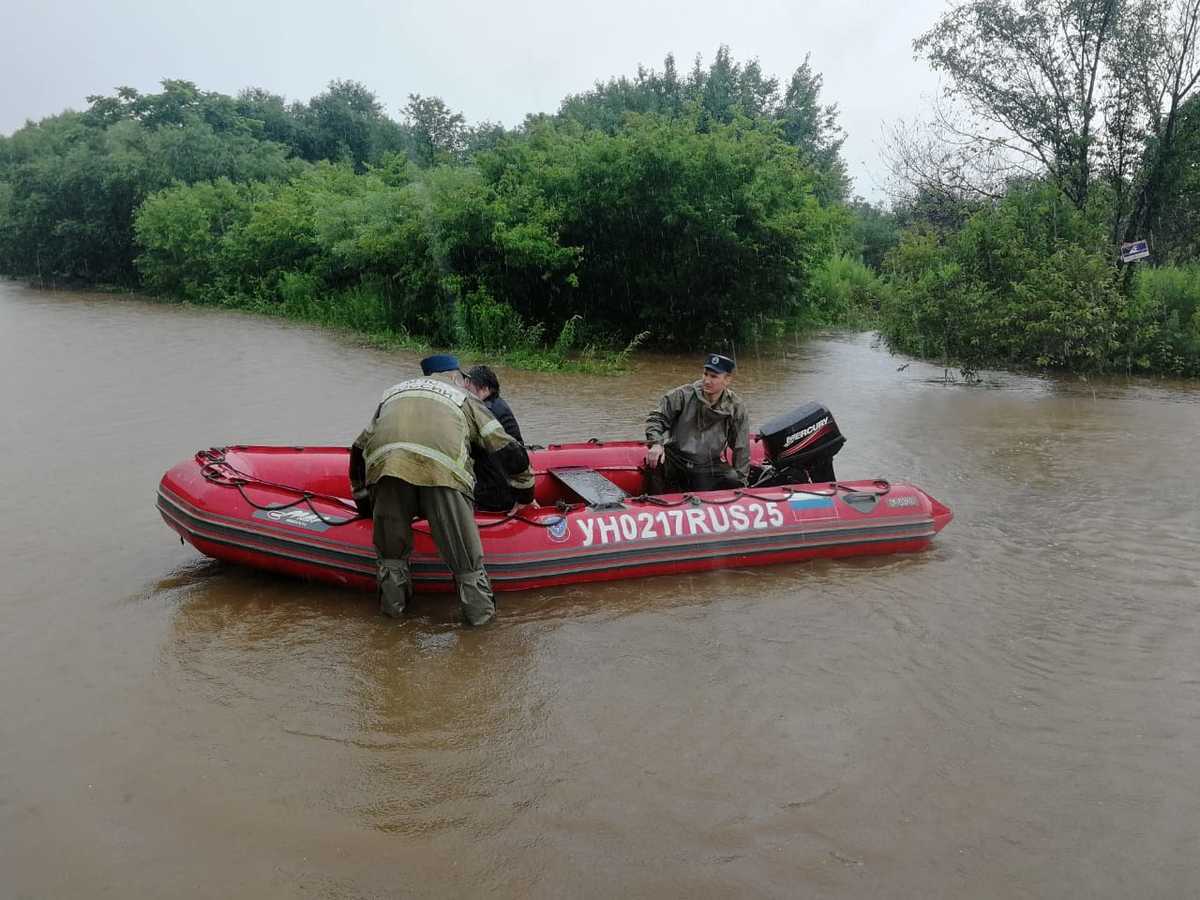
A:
(806, 509)
(895, 502)
(616, 528)
(297, 518)
(559, 531)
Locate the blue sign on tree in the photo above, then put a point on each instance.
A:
(1135, 250)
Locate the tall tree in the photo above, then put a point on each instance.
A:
(440, 133)
(1076, 90)
(1161, 57)
(1176, 226)
(346, 122)
(813, 127)
(717, 95)
(1033, 69)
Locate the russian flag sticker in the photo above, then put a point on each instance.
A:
(805, 509)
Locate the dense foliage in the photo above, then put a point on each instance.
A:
(1068, 127)
(1031, 282)
(719, 94)
(691, 236)
(700, 208)
(704, 215)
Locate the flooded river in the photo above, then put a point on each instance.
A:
(1015, 713)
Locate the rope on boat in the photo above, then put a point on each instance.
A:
(216, 469)
(882, 488)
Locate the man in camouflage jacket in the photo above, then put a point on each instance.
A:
(692, 428)
(414, 461)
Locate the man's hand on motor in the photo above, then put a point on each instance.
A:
(654, 456)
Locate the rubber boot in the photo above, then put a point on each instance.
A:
(475, 595)
(395, 586)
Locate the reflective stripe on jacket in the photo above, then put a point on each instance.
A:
(423, 431)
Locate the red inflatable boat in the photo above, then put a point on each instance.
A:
(286, 509)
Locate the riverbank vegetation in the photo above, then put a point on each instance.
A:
(695, 210)
(1067, 130)
(684, 210)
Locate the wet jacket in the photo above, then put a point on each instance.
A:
(689, 428)
(422, 432)
(493, 491)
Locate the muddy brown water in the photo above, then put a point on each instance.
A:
(1015, 713)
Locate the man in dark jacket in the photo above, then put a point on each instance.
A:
(694, 425)
(493, 491)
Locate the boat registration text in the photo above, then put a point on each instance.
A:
(692, 521)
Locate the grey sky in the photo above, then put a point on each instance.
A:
(495, 60)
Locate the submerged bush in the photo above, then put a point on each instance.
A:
(1164, 319)
(846, 292)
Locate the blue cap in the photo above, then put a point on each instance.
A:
(442, 362)
(715, 362)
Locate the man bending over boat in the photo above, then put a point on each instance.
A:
(493, 492)
(692, 428)
(414, 461)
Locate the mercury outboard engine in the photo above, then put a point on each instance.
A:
(800, 445)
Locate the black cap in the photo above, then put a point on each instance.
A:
(715, 362)
(442, 362)
(484, 377)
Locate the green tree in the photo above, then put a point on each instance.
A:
(75, 181)
(1176, 224)
(680, 232)
(813, 127)
(874, 231)
(1034, 70)
(346, 122)
(1030, 282)
(1071, 90)
(717, 95)
(1161, 56)
(181, 232)
(439, 133)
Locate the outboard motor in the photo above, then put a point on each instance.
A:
(800, 445)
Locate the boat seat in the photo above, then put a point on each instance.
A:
(590, 486)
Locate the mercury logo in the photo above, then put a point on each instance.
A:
(805, 432)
